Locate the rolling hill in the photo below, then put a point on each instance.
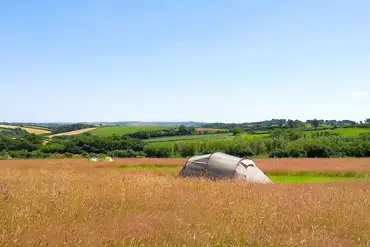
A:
(121, 130)
(32, 130)
(75, 132)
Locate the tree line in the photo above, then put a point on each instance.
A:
(280, 143)
(288, 143)
(70, 127)
(180, 131)
(281, 123)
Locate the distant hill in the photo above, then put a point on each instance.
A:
(139, 123)
(128, 123)
(271, 122)
(33, 130)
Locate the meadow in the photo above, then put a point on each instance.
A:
(205, 137)
(223, 136)
(139, 202)
(121, 130)
(350, 131)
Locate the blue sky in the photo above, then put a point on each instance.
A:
(229, 61)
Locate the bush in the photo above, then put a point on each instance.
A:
(158, 151)
(123, 153)
(187, 150)
(278, 154)
(317, 151)
(68, 155)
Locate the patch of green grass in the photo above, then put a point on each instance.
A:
(313, 177)
(351, 131)
(121, 130)
(253, 136)
(218, 136)
(304, 179)
(188, 138)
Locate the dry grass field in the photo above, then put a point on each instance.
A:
(37, 131)
(75, 132)
(76, 203)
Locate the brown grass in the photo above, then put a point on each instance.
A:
(71, 203)
(75, 132)
(31, 130)
(67, 204)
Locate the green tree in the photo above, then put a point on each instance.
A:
(315, 123)
(290, 123)
(236, 131)
(183, 130)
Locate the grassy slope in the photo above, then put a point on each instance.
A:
(190, 138)
(75, 132)
(350, 131)
(36, 131)
(120, 130)
(37, 127)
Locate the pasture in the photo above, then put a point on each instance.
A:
(204, 137)
(29, 129)
(351, 131)
(187, 138)
(106, 131)
(140, 202)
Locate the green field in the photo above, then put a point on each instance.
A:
(350, 131)
(221, 136)
(314, 177)
(245, 136)
(121, 130)
(252, 136)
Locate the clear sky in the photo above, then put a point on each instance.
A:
(184, 60)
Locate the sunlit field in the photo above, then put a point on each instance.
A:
(77, 203)
(30, 129)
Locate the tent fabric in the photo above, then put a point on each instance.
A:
(94, 159)
(108, 159)
(219, 165)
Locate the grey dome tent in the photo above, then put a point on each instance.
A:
(220, 166)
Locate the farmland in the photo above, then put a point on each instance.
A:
(204, 137)
(223, 136)
(351, 131)
(72, 202)
(244, 135)
(75, 132)
(121, 130)
(29, 129)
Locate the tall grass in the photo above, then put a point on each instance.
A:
(107, 207)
